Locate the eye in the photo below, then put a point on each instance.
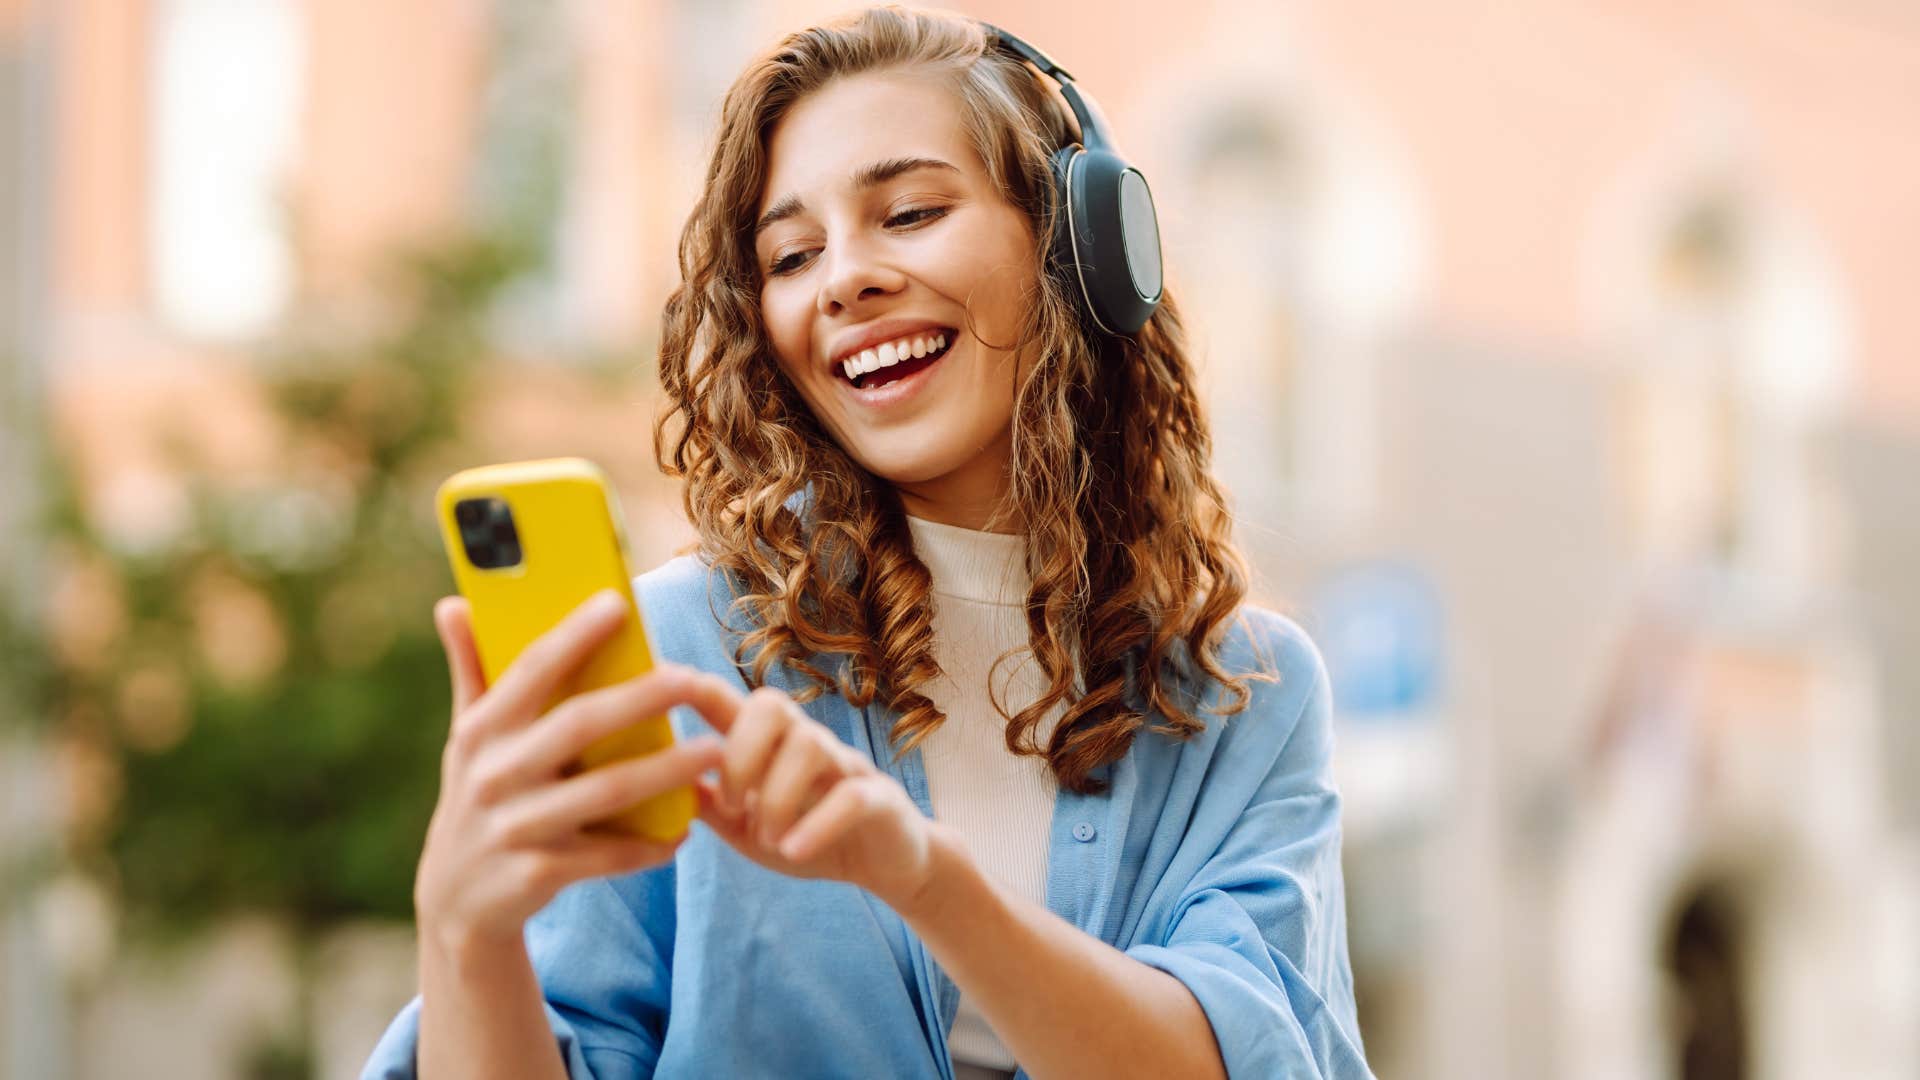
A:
(910, 218)
(915, 216)
(788, 263)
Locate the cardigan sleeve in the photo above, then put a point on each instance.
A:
(1258, 933)
(604, 970)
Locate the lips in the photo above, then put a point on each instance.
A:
(859, 348)
(896, 360)
(880, 395)
(905, 368)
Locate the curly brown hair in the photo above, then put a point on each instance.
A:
(1128, 537)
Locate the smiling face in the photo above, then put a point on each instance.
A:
(881, 236)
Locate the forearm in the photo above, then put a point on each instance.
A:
(481, 1012)
(1064, 1002)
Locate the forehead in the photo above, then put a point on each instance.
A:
(857, 120)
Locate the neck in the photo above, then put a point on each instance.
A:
(975, 496)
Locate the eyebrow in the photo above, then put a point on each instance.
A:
(878, 172)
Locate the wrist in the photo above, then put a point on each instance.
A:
(463, 943)
(949, 869)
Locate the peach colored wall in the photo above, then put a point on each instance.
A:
(392, 100)
(1519, 115)
(1514, 122)
(99, 234)
(628, 264)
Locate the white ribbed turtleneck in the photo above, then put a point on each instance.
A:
(1001, 805)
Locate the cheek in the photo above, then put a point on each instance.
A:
(789, 327)
(785, 318)
(999, 283)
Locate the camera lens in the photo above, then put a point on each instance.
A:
(487, 533)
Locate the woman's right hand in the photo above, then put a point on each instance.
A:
(509, 830)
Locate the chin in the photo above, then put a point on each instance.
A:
(908, 464)
(897, 472)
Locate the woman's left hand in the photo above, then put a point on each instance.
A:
(795, 799)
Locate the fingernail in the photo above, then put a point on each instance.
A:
(607, 603)
(790, 848)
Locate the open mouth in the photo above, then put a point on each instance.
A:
(896, 360)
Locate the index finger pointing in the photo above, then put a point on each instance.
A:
(715, 700)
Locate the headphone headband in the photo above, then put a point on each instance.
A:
(1092, 131)
(1106, 241)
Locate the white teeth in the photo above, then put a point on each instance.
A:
(892, 353)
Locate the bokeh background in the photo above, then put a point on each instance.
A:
(1565, 365)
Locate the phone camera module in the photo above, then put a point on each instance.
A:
(487, 532)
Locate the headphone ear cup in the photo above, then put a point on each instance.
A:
(1114, 241)
(1060, 253)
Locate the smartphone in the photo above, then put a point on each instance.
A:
(529, 541)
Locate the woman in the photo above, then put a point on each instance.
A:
(1022, 780)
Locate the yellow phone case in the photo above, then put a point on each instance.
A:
(571, 545)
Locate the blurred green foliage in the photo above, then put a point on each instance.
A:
(288, 630)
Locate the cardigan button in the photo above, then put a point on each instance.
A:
(1083, 832)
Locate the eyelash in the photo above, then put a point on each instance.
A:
(920, 215)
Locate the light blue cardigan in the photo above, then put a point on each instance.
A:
(1216, 859)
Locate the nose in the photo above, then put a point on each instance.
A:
(855, 274)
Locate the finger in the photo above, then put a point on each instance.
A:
(532, 681)
(800, 772)
(717, 701)
(595, 855)
(563, 808)
(729, 823)
(543, 750)
(757, 730)
(709, 792)
(454, 620)
(850, 801)
(851, 761)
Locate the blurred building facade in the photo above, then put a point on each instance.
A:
(32, 1023)
(1560, 362)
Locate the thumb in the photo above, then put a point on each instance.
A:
(453, 619)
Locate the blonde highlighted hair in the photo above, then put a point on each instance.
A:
(1135, 579)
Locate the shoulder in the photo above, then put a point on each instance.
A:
(1278, 644)
(1264, 643)
(680, 579)
(1279, 743)
(1287, 682)
(683, 602)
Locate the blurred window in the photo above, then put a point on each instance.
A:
(228, 83)
(1249, 199)
(522, 185)
(1746, 360)
(1700, 276)
(716, 38)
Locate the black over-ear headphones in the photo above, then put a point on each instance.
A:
(1106, 239)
